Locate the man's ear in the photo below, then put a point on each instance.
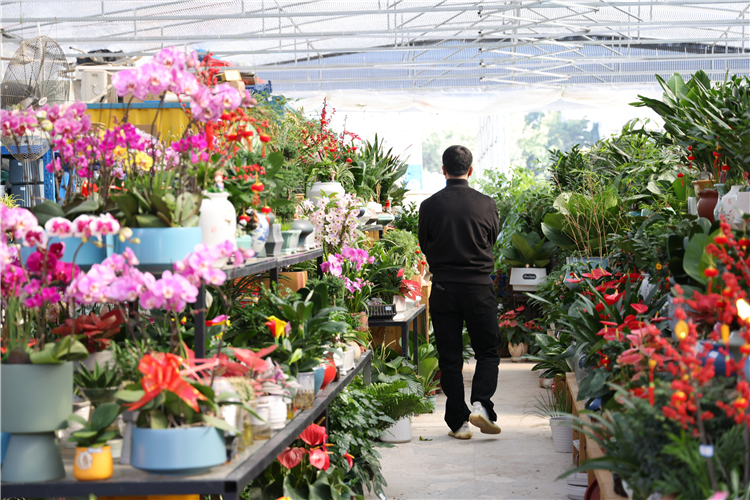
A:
(444, 172)
(471, 171)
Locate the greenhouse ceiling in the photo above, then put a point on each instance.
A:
(306, 45)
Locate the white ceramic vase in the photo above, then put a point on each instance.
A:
(329, 188)
(218, 219)
(277, 417)
(260, 235)
(729, 204)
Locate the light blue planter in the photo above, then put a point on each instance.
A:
(186, 451)
(161, 247)
(320, 375)
(88, 254)
(4, 441)
(32, 458)
(245, 242)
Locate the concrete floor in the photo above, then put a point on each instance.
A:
(520, 463)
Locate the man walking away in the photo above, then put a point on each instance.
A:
(458, 227)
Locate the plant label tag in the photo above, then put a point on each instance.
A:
(382, 496)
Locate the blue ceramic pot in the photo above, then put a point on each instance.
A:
(320, 375)
(88, 254)
(245, 242)
(185, 451)
(161, 247)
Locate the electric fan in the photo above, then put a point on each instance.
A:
(36, 75)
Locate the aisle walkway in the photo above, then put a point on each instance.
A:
(521, 463)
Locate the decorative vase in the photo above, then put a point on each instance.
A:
(181, 451)
(245, 242)
(93, 464)
(305, 229)
(274, 241)
(700, 185)
(707, 203)
(318, 189)
(218, 219)
(729, 205)
(87, 255)
(160, 247)
(719, 208)
(260, 235)
(518, 350)
(33, 458)
(290, 240)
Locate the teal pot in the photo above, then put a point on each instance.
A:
(433, 401)
(245, 242)
(275, 241)
(320, 375)
(36, 398)
(32, 458)
(88, 255)
(305, 229)
(290, 241)
(160, 247)
(184, 451)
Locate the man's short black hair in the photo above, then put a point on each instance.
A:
(457, 160)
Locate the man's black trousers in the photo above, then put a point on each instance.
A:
(452, 304)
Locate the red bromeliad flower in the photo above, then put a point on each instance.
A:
(97, 330)
(161, 372)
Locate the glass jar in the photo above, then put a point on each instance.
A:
(261, 427)
(305, 399)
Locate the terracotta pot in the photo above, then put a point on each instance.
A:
(707, 203)
(362, 318)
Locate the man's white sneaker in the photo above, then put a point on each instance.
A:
(481, 419)
(463, 433)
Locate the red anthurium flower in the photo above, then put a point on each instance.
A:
(599, 307)
(291, 457)
(319, 459)
(613, 298)
(640, 308)
(572, 280)
(254, 360)
(161, 371)
(349, 458)
(314, 435)
(596, 274)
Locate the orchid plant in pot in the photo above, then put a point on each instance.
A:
(335, 220)
(351, 266)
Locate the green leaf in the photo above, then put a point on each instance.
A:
(158, 419)
(88, 206)
(149, 220)
(46, 211)
(78, 419)
(520, 243)
(219, 423)
(693, 255)
(104, 415)
(128, 396)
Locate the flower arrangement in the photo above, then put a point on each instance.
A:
(351, 266)
(335, 220)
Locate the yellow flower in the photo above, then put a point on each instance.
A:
(143, 161)
(681, 329)
(658, 266)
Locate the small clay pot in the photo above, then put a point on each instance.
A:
(707, 203)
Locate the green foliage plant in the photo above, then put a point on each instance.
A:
(527, 250)
(407, 219)
(95, 434)
(99, 378)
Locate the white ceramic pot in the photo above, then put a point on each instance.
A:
(356, 349)
(348, 359)
(518, 350)
(562, 433)
(101, 358)
(218, 220)
(400, 432)
(400, 303)
(328, 188)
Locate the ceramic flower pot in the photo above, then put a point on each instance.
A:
(562, 433)
(318, 189)
(320, 375)
(518, 350)
(33, 458)
(707, 203)
(363, 323)
(330, 372)
(88, 253)
(93, 464)
(290, 241)
(278, 413)
(305, 229)
(160, 247)
(275, 241)
(35, 398)
(218, 219)
(400, 432)
(181, 451)
(245, 242)
(260, 235)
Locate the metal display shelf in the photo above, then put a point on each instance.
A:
(228, 480)
(254, 266)
(403, 320)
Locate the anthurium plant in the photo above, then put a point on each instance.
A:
(305, 471)
(513, 328)
(95, 433)
(527, 250)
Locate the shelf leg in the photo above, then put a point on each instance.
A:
(200, 324)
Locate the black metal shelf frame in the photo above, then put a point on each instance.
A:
(228, 480)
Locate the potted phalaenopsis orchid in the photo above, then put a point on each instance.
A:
(335, 220)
